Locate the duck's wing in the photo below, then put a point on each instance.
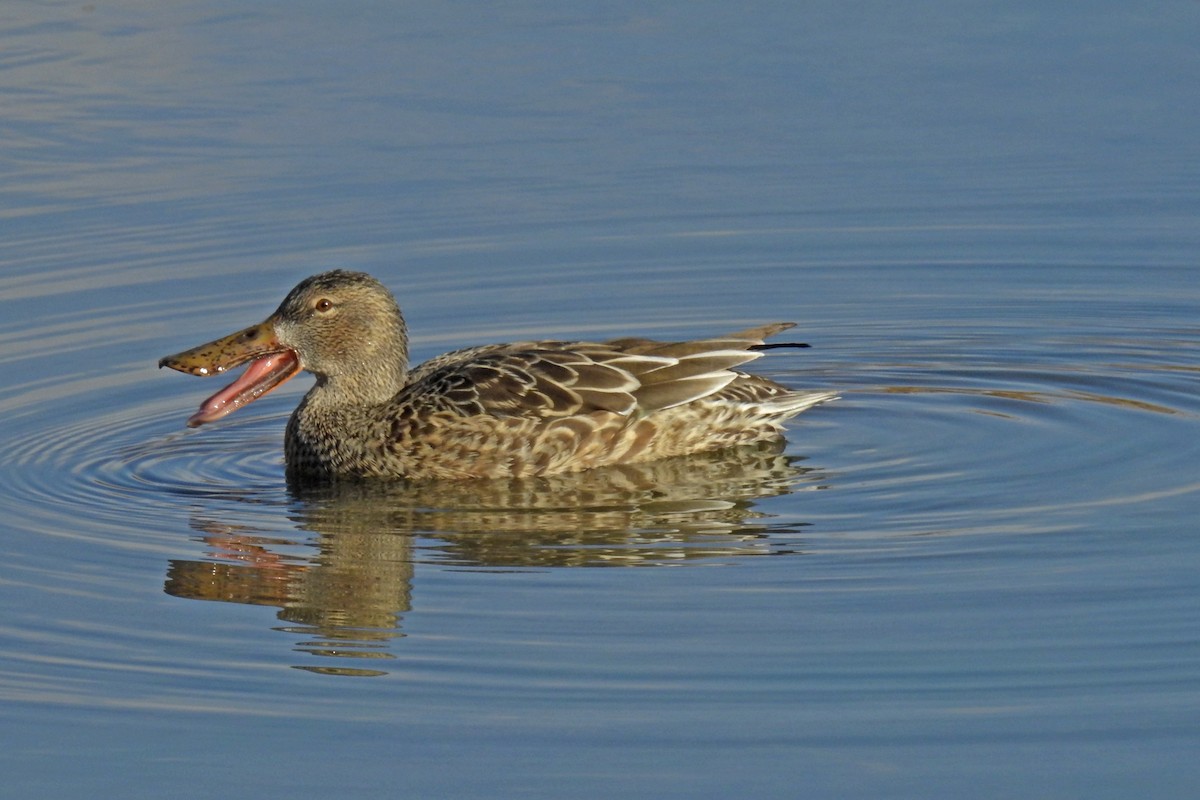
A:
(557, 379)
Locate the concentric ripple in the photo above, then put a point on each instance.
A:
(118, 470)
(948, 432)
(959, 434)
(927, 418)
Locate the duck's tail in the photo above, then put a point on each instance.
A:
(785, 406)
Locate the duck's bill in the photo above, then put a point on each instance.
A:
(271, 365)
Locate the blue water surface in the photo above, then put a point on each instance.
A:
(974, 575)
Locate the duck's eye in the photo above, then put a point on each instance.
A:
(323, 305)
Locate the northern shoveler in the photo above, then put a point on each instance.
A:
(502, 410)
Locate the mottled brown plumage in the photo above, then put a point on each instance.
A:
(504, 410)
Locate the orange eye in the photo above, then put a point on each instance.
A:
(323, 305)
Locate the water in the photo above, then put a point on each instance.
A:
(973, 575)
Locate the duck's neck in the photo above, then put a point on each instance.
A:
(374, 385)
(369, 374)
(341, 428)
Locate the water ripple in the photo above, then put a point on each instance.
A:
(945, 433)
(116, 469)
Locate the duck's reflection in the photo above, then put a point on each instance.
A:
(347, 589)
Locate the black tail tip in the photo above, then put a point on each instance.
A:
(777, 345)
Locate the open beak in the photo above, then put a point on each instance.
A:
(271, 365)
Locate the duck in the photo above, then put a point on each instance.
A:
(514, 410)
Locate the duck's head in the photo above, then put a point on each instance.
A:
(344, 327)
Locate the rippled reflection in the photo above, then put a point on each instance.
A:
(347, 588)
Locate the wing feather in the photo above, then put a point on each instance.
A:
(561, 379)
